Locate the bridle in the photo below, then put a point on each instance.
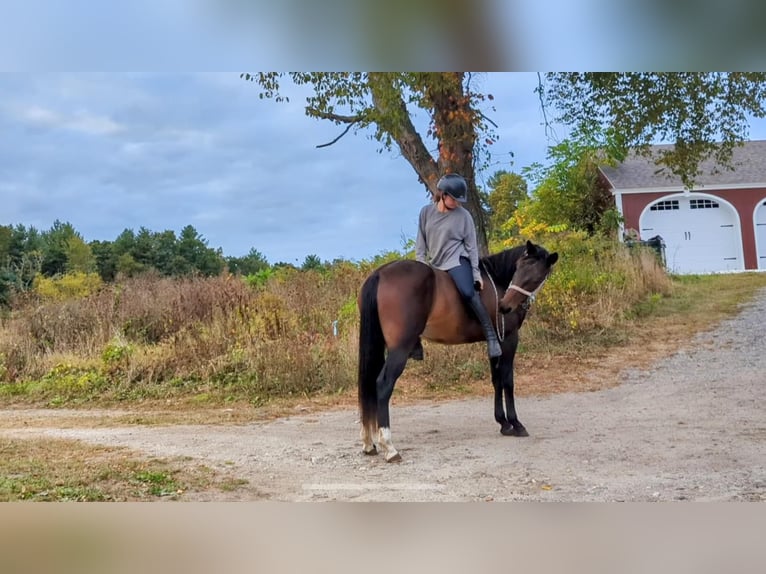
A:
(500, 317)
(531, 295)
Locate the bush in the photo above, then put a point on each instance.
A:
(69, 286)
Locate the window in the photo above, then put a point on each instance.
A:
(665, 205)
(702, 204)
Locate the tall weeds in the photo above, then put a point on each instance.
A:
(296, 333)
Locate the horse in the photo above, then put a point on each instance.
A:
(404, 300)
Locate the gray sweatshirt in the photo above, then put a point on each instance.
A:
(444, 237)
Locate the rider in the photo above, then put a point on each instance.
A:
(447, 236)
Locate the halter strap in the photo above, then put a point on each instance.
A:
(531, 295)
(520, 290)
(500, 317)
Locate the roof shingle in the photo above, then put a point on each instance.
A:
(748, 161)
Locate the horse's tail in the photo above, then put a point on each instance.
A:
(371, 350)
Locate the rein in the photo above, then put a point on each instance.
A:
(499, 317)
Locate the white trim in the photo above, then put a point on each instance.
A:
(755, 236)
(682, 189)
(618, 204)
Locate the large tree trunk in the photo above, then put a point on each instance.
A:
(453, 124)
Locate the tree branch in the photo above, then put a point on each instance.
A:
(540, 95)
(348, 127)
(313, 112)
(485, 118)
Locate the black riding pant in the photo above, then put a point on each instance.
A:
(462, 275)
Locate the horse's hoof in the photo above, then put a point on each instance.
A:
(372, 452)
(512, 431)
(417, 353)
(394, 458)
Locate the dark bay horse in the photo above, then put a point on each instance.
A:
(404, 300)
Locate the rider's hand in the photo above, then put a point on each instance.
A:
(478, 285)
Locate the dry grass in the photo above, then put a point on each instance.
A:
(63, 470)
(234, 352)
(697, 304)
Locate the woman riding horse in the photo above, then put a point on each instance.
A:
(447, 240)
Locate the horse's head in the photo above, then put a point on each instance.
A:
(532, 270)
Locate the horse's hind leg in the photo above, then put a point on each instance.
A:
(395, 362)
(366, 434)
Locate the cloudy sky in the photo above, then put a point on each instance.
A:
(110, 151)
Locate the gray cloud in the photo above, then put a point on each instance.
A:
(113, 151)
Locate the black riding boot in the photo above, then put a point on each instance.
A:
(493, 345)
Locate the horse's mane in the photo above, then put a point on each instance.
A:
(501, 266)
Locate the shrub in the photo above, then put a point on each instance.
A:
(69, 286)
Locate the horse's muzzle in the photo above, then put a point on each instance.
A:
(505, 309)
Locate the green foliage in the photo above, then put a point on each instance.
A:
(312, 262)
(116, 355)
(596, 283)
(704, 113)
(79, 256)
(569, 191)
(251, 263)
(159, 483)
(260, 277)
(68, 286)
(105, 259)
(67, 381)
(7, 284)
(506, 192)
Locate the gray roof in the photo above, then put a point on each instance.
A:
(748, 161)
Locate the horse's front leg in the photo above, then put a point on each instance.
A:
(502, 380)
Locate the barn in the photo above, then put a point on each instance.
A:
(718, 226)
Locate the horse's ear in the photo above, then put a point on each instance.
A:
(531, 248)
(552, 258)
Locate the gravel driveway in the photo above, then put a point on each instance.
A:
(692, 427)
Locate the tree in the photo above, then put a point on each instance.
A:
(106, 259)
(386, 103)
(569, 189)
(165, 249)
(144, 249)
(704, 114)
(192, 247)
(6, 236)
(56, 247)
(506, 191)
(312, 262)
(251, 263)
(79, 256)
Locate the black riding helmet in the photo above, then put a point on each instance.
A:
(455, 186)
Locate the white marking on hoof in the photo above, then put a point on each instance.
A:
(384, 441)
(366, 434)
